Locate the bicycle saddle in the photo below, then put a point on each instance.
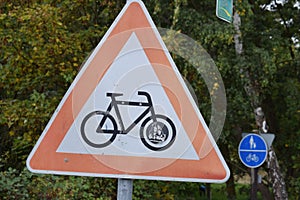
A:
(110, 94)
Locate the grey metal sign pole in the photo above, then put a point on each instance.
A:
(125, 186)
(124, 189)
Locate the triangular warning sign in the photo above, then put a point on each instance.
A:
(128, 114)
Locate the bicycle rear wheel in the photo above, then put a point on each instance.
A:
(95, 136)
(158, 134)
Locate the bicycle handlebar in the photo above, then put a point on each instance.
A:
(145, 94)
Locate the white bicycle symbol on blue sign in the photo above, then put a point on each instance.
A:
(252, 157)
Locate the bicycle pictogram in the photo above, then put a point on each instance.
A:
(252, 157)
(100, 128)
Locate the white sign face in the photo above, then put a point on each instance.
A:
(127, 76)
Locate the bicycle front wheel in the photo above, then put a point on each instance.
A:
(98, 129)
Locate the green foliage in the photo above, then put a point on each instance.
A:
(294, 188)
(36, 55)
(25, 185)
(44, 42)
(165, 190)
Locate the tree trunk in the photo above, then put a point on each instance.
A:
(264, 190)
(230, 189)
(230, 186)
(208, 191)
(275, 176)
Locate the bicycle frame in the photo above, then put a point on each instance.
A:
(115, 103)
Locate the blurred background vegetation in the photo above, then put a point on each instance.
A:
(44, 43)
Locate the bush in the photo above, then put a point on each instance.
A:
(25, 185)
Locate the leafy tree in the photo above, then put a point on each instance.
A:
(44, 43)
(38, 61)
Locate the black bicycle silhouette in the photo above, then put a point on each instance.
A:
(157, 132)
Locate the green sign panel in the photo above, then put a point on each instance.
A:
(224, 10)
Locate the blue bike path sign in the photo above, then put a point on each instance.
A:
(253, 150)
